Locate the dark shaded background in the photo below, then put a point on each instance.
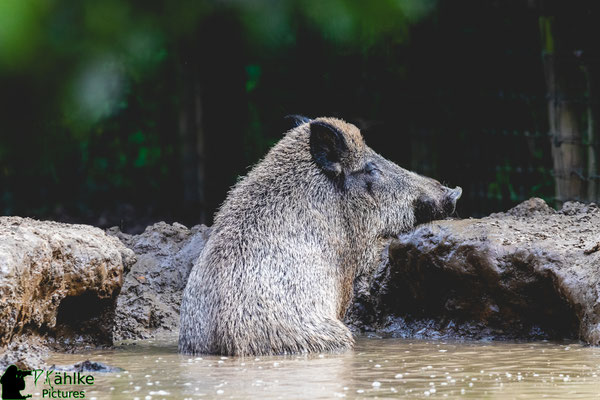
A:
(127, 113)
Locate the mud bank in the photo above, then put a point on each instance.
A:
(151, 296)
(67, 287)
(529, 273)
(58, 287)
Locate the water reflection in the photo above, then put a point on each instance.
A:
(377, 368)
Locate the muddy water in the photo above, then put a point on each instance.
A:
(377, 368)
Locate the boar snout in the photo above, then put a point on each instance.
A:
(428, 208)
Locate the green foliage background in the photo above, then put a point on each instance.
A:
(92, 95)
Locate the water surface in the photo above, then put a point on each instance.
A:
(377, 368)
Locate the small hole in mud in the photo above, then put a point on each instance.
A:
(84, 318)
(520, 303)
(74, 310)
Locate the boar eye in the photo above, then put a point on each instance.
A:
(371, 169)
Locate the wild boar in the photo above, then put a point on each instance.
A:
(276, 275)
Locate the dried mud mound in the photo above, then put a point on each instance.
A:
(529, 273)
(58, 285)
(151, 296)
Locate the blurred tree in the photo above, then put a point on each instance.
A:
(126, 113)
(191, 130)
(570, 63)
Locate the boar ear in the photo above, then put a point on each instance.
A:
(327, 146)
(298, 119)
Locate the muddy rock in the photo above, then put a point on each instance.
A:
(529, 273)
(26, 352)
(87, 366)
(58, 284)
(151, 296)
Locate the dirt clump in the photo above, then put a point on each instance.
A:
(151, 295)
(529, 273)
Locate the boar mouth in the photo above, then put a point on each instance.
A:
(427, 209)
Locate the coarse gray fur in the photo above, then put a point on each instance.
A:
(276, 275)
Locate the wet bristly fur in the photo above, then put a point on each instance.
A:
(276, 274)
